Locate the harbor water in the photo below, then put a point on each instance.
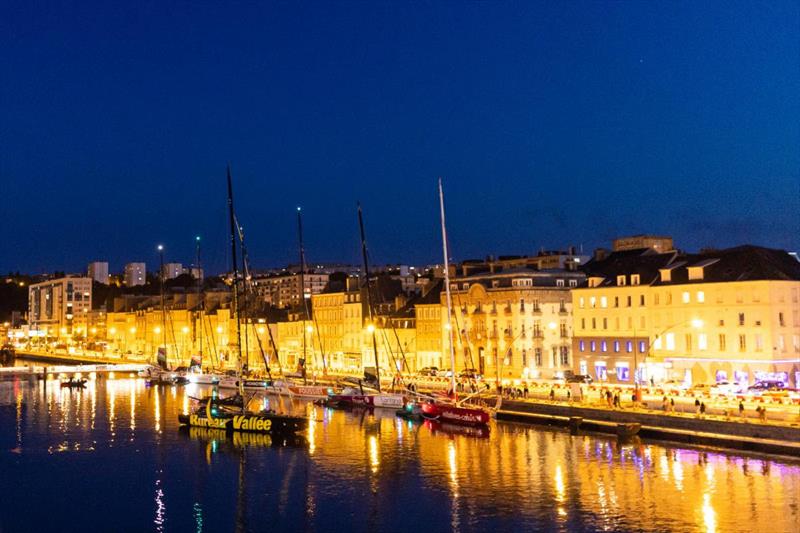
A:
(111, 457)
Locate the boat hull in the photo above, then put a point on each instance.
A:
(453, 414)
(254, 423)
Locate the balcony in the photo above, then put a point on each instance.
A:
(537, 310)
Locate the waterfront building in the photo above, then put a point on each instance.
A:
(98, 271)
(698, 318)
(284, 290)
(429, 313)
(135, 274)
(60, 307)
(512, 322)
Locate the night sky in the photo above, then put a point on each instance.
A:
(552, 124)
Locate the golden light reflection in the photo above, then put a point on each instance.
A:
(709, 516)
(157, 411)
(312, 434)
(185, 404)
(374, 459)
(133, 410)
(558, 479)
(112, 397)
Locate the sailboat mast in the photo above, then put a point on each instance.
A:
(200, 305)
(163, 304)
(235, 300)
(447, 291)
(302, 281)
(369, 294)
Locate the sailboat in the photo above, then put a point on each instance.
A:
(351, 396)
(211, 413)
(452, 412)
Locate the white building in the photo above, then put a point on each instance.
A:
(60, 307)
(172, 270)
(135, 274)
(98, 271)
(284, 291)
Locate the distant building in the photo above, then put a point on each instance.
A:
(98, 271)
(660, 244)
(135, 274)
(195, 272)
(172, 270)
(60, 307)
(284, 290)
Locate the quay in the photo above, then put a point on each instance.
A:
(703, 430)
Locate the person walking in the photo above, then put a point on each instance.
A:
(702, 408)
(763, 414)
(608, 398)
(552, 394)
(672, 405)
(741, 409)
(664, 404)
(696, 406)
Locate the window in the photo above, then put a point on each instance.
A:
(600, 371)
(742, 343)
(657, 343)
(781, 343)
(605, 323)
(495, 283)
(655, 299)
(603, 346)
(583, 323)
(582, 346)
(686, 297)
(621, 280)
(668, 298)
(623, 372)
(780, 320)
(642, 346)
(603, 302)
(594, 323)
(616, 301)
(593, 346)
(465, 286)
(741, 319)
(702, 341)
(616, 346)
(537, 354)
(564, 356)
(559, 283)
(573, 283)
(688, 339)
(722, 342)
(759, 342)
(629, 301)
(669, 339)
(592, 302)
(562, 329)
(629, 346)
(641, 300)
(701, 297)
(634, 279)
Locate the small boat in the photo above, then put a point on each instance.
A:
(410, 411)
(74, 383)
(355, 397)
(266, 421)
(454, 414)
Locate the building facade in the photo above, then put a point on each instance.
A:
(697, 318)
(171, 270)
(283, 291)
(135, 274)
(98, 271)
(512, 324)
(60, 307)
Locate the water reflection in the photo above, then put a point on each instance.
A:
(372, 470)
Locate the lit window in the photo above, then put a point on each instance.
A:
(686, 297)
(581, 302)
(603, 301)
(582, 346)
(603, 346)
(629, 346)
(670, 341)
(621, 280)
(657, 343)
(635, 279)
(702, 341)
(592, 302)
(593, 346)
(701, 296)
(616, 346)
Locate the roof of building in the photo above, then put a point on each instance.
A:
(742, 263)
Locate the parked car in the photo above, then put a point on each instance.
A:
(430, 371)
(579, 378)
(469, 373)
(767, 385)
(725, 387)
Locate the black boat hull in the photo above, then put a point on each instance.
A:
(261, 423)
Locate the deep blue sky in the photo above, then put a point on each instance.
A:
(552, 124)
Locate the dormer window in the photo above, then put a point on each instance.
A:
(595, 281)
(696, 272)
(559, 283)
(634, 279)
(621, 280)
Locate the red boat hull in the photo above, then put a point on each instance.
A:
(451, 414)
